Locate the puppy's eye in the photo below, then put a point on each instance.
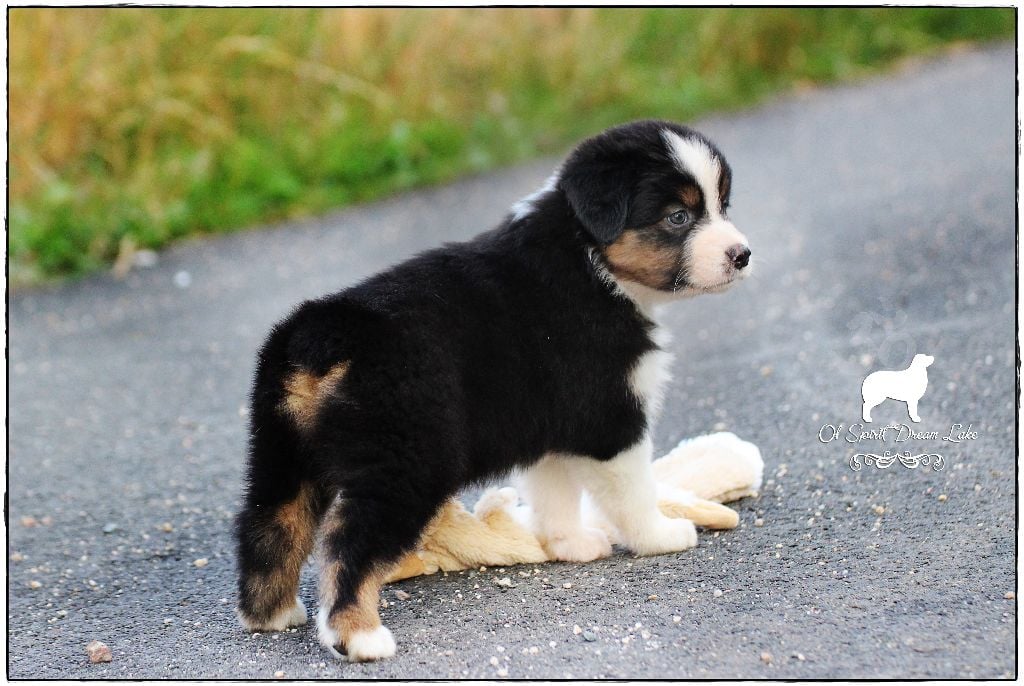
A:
(678, 218)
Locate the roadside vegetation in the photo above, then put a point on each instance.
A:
(130, 128)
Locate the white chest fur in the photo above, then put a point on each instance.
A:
(651, 374)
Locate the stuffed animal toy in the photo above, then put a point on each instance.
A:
(693, 480)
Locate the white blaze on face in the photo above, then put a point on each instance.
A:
(707, 264)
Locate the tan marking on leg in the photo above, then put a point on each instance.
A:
(362, 615)
(288, 541)
(305, 393)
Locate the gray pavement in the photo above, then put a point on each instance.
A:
(881, 216)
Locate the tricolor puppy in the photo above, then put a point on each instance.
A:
(532, 348)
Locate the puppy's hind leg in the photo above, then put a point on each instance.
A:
(364, 534)
(275, 531)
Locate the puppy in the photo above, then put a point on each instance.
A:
(531, 348)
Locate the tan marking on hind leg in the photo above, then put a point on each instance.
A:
(357, 626)
(362, 615)
(273, 594)
(306, 392)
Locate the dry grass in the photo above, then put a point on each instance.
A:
(131, 127)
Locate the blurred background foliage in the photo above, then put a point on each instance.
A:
(130, 128)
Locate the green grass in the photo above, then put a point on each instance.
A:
(135, 127)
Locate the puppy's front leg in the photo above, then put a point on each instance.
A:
(553, 491)
(623, 489)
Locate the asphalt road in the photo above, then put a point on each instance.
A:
(881, 216)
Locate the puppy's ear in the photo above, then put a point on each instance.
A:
(599, 196)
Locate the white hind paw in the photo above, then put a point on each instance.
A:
(294, 615)
(367, 646)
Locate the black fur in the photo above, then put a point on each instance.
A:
(464, 363)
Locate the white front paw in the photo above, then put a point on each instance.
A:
(583, 545)
(666, 536)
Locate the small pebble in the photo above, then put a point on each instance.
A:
(653, 596)
(494, 661)
(402, 595)
(576, 629)
(182, 279)
(676, 619)
(942, 497)
(567, 585)
(29, 522)
(589, 636)
(1010, 595)
(766, 658)
(166, 527)
(34, 584)
(110, 528)
(759, 522)
(201, 562)
(503, 671)
(98, 652)
(878, 510)
(17, 557)
(504, 582)
(718, 593)
(279, 674)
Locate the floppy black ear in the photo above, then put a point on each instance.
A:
(599, 196)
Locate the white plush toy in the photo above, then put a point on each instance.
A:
(693, 480)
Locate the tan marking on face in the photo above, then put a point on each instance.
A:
(305, 393)
(690, 195)
(643, 261)
(288, 541)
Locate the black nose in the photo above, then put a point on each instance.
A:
(739, 255)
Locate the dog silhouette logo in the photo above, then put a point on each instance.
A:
(907, 385)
